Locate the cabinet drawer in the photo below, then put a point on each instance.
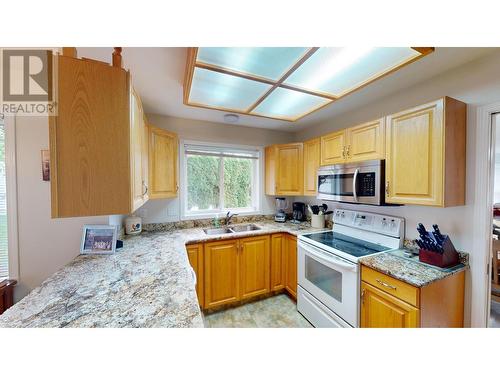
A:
(390, 285)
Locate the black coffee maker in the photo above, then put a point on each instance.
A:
(299, 212)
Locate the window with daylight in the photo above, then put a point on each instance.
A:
(219, 179)
(4, 256)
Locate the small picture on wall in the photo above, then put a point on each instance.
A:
(45, 165)
(98, 239)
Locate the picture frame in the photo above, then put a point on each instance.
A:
(98, 239)
(45, 165)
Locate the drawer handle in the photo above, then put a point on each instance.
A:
(385, 284)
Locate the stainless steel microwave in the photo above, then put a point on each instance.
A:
(353, 183)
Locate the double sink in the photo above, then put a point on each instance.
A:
(232, 229)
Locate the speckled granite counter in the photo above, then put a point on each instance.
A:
(147, 283)
(411, 272)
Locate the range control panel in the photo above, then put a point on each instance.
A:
(389, 225)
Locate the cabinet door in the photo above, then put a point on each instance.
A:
(90, 140)
(254, 266)
(195, 255)
(291, 265)
(333, 148)
(163, 150)
(270, 170)
(278, 248)
(414, 160)
(222, 273)
(312, 157)
(381, 310)
(139, 188)
(290, 170)
(366, 141)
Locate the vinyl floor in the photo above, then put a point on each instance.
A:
(274, 312)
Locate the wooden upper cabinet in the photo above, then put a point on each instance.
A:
(366, 141)
(381, 310)
(254, 266)
(90, 147)
(425, 161)
(163, 174)
(312, 155)
(284, 169)
(333, 147)
(138, 132)
(222, 273)
(290, 174)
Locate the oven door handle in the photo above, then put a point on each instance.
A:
(328, 258)
(354, 193)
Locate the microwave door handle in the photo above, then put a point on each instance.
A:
(354, 193)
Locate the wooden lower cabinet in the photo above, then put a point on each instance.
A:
(390, 303)
(239, 269)
(278, 249)
(195, 255)
(254, 266)
(222, 273)
(291, 265)
(381, 310)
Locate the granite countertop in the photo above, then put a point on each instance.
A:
(410, 271)
(147, 283)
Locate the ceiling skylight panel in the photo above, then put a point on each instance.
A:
(267, 62)
(289, 104)
(337, 71)
(224, 91)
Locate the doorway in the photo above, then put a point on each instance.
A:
(494, 316)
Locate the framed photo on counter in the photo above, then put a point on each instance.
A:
(98, 239)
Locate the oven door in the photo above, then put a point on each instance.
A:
(331, 280)
(353, 183)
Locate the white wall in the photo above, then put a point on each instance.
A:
(166, 210)
(45, 244)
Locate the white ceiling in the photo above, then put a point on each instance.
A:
(158, 73)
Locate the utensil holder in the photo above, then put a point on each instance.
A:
(318, 221)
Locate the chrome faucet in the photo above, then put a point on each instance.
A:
(229, 216)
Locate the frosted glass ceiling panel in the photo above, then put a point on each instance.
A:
(337, 71)
(223, 90)
(288, 103)
(265, 62)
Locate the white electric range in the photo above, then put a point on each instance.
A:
(328, 269)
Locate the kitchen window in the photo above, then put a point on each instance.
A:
(218, 179)
(4, 254)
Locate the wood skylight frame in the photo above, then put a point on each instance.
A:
(192, 64)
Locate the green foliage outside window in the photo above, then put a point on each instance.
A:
(203, 182)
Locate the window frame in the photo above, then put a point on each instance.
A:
(11, 196)
(257, 179)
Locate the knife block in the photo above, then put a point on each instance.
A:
(448, 258)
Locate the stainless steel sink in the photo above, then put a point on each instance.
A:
(245, 228)
(233, 229)
(210, 231)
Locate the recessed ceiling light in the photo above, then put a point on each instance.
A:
(231, 118)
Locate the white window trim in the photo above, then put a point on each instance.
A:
(258, 182)
(11, 176)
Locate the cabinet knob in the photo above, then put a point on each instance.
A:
(387, 188)
(348, 151)
(145, 188)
